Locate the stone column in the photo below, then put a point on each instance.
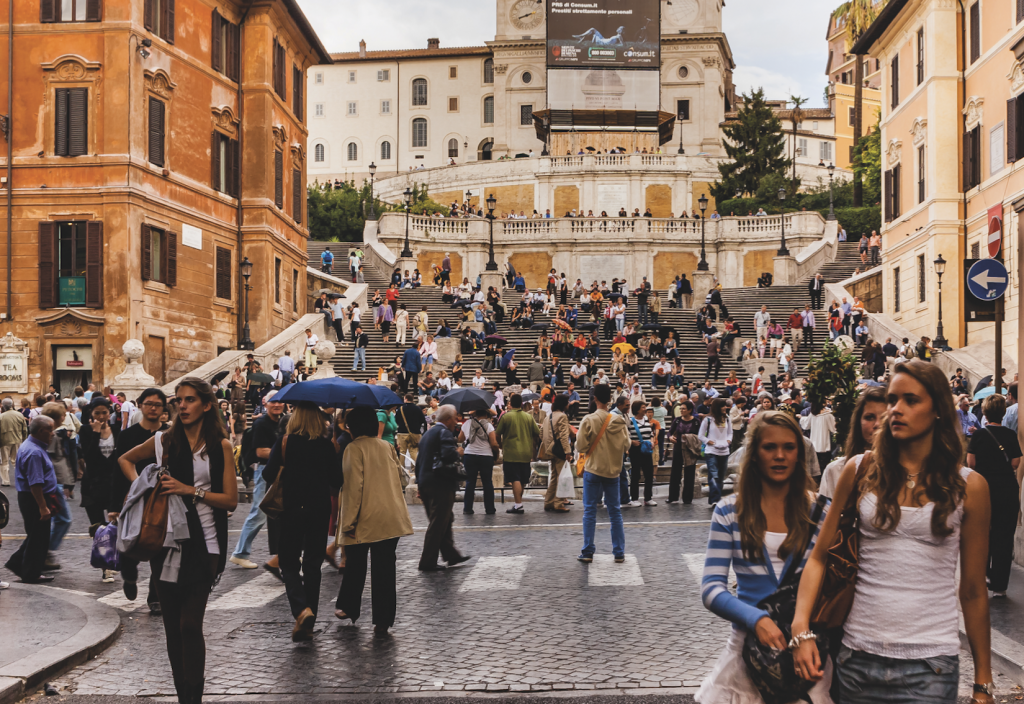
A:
(492, 278)
(324, 351)
(785, 271)
(703, 281)
(134, 379)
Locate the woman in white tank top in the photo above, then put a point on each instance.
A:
(920, 512)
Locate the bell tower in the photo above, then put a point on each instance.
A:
(520, 19)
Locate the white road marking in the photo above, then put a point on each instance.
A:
(605, 572)
(495, 573)
(695, 563)
(255, 593)
(118, 600)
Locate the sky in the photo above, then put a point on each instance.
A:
(778, 46)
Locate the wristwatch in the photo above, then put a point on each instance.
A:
(199, 495)
(988, 688)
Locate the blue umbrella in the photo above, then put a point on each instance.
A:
(986, 392)
(507, 358)
(339, 393)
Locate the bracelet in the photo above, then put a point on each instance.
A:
(799, 638)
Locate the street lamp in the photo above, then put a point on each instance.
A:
(373, 172)
(681, 150)
(831, 209)
(246, 343)
(702, 265)
(407, 252)
(491, 203)
(940, 269)
(783, 250)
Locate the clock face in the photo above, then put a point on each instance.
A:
(682, 12)
(527, 14)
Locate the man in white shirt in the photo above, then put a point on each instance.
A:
(661, 373)
(710, 391)
(127, 408)
(356, 317)
(478, 380)
(761, 320)
(311, 341)
(578, 374)
(601, 377)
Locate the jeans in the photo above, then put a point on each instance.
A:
(478, 465)
(642, 315)
(286, 378)
(624, 486)
(867, 679)
(256, 518)
(620, 324)
(360, 358)
(718, 466)
(641, 464)
(61, 522)
(594, 487)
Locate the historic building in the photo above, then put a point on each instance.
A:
(155, 144)
(841, 70)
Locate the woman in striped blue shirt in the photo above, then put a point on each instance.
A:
(757, 532)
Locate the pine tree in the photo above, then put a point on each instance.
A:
(755, 144)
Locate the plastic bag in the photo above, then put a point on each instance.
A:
(104, 549)
(566, 486)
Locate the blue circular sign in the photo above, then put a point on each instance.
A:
(987, 279)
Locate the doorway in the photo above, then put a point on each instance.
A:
(72, 366)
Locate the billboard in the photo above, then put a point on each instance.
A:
(604, 89)
(612, 33)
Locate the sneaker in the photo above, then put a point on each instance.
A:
(521, 509)
(108, 577)
(585, 558)
(996, 595)
(242, 562)
(51, 563)
(619, 559)
(635, 504)
(131, 590)
(670, 501)
(650, 502)
(4, 585)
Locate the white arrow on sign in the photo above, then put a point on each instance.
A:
(984, 279)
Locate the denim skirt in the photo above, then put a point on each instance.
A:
(864, 678)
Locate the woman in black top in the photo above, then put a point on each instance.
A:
(564, 290)
(98, 440)
(994, 453)
(311, 474)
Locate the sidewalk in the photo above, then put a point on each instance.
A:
(46, 632)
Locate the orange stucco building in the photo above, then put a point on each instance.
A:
(156, 143)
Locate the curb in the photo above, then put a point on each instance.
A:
(1007, 655)
(100, 630)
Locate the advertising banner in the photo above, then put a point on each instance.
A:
(604, 89)
(611, 33)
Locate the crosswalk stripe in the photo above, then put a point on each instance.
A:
(695, 563)
(118, 600)
(495, 573)
(256, 592)
(604, 572)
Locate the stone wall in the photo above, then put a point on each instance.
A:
(534, 266)
(424, 261)
(869, 290)
(566, 198)
(669, 265)
(659, 200)
(702, 188)
(756, 263)
(513, 198)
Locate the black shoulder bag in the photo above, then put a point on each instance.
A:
(556, 448)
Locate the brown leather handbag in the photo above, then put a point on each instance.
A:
(153, 530)
(841, 564)
(273, 501)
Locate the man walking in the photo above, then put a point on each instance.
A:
(713, 360)
(36, 482)
(603, 438)
(361, 341)
(518, 436)
(761, 321)
(13, 432)
(286, 365)
(807, 321)
(326, 261)
(438, 452)
(535, 375)
(411, 425)
(412, 364)
(816, 287)
(875, 245)
(311, 341)
(446, 268)
(796, 328)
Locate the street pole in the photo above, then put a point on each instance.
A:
(783, 249)
(1000, 315)
(407, 252)
(703, 264)
(246, 343)
(492, 202)
(831, 209)
(940, 338)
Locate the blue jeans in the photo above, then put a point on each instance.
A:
(286, 378)
(359, 358)
(718, 467)
(864, 678)
(643, 313)
(256, 518)
(624, 487)
(594, 487)
(61, 522)
(620, 324)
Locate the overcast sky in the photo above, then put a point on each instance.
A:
(779, 46)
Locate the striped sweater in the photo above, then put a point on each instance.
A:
(755, 580)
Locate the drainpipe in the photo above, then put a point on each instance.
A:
(10, 154)
(238, 208)
(963, 131)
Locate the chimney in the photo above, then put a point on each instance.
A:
(362, 48)
(434, 43)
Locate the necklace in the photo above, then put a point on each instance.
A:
(910, 480)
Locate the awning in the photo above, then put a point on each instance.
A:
(547, 121)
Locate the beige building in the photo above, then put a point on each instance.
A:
(842, 71)
(951, 145)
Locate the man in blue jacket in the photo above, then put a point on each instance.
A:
(438, 451)
(411, 365)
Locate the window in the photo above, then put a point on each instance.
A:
(297, 80)
(297, 196)
(453, 104)
(159, 255)
(352, 151)
(222, 274)
(895, 86)
(972, 158)
(891, 194)
(280, 68)
(1015, 127)
(853, 116)
(419, 92)
(489, 110)
(279, 179)
(683, 110)
(156, 131)
(683, 72)
(385, 107)
(453, 147)
(527, 78)
(922, 279)
(277, 281)
(922, 168)
(1020, 10)
(976, 250)
(385, 151)
(71, 264)
(224, 156)
(319, 78)
(489, 71)
(801, 149)
(975, 31)
(419, 133)
(224, 54)
(318, 109)
(920, 56)
(159, 18)
(384, 75)
(526, 115)
(486, 151)
(896, 290)
(70, 10)
(453, 72)
(353, 108)
(295, 290)
(351, 76)
(996, 157)
(71, 133)
(825, 151)
(318, 153)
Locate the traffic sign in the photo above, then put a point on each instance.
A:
(988, 279)
(995, 230)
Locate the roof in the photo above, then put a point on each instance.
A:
(395, 54)
(307, 30)
(871, 35)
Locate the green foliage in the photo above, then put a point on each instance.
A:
(858, 221)
(756, 147)
(833, 375)
(339, 214)
(855, 220)
(867, 162)
(859, 15)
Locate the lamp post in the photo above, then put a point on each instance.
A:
(831, 208)
(469, 197)
(246, 343)
(407, 252)
(373, 172)
(940, 269)
(702, 265)
(491, 203)
(783, 249)
(681, 150)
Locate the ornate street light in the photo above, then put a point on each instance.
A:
(702, 265)
(681, 150)
(783, 249)
(940, 339)
(373, 172)
(831, 209)
(407, 252)
(246, 343)
(491, 203)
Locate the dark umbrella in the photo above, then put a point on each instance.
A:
(260, 378)
(540, 326)
(339, 393)
(468, 400)
(587, 326)
(651, 326)
(530, 397)
(591, 149)
(985, 382)
(497, 339)
(218, 377)
(507, 358)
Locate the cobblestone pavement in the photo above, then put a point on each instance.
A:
(522, 616)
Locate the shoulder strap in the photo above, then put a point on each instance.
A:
(600, 434)
(999, 445)
(159, 448)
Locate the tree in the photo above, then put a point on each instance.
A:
(339, 214)
(756, 146)
(867, 162)
(833, 375)
(798, 117)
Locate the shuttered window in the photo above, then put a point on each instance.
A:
(224, 155)
(922, 169)
(297, 196)
(297, 81)
(897, 172)
(489, 110)
(223, 273)
(295, 290)
(47, 264)
(1015, 128)
(71, 125)
(887, 195)
(279, 179)
(489, 69)
(419, 133)
(94, 265)
(920, 56)
(158, 18)
(70, 10)
(891, 195)
(71, 264)
(895, 85)
(975, 32)
(896, 290)
(157, 116)
(972, 158)
(277, 280)
(217, 43)
(280, 70)
(224, 55)
(159, 255)
(1020, 10)
(419, 92)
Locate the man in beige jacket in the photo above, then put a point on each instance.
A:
(603, 438)
(13, 431)
(555, 430)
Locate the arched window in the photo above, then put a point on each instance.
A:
(485, 151)
(318, 153)
(527, 78)
(489, 110)
(419, 91)
(453, 147)
(385, 151)
(419, 133)
(353, 151)
(489, 71)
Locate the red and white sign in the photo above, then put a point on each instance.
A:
(995, 230)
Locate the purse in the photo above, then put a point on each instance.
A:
(5, 511)
(841, 563)
(104, 554)
(556, 448)
(646, 446)
(273, 501)
(153, 529)
(581, 463)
